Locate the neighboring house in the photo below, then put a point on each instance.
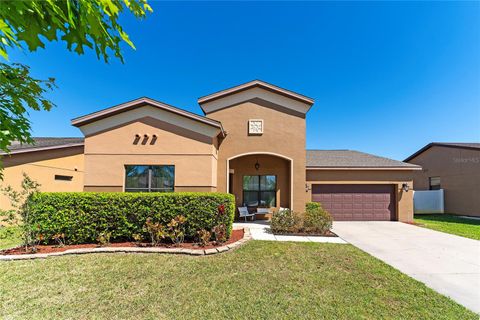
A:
(453, 167)
(251, 142)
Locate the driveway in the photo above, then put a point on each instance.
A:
(447, 263)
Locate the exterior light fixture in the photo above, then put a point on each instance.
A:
(405, 187)
(257, 165)
(307, 187)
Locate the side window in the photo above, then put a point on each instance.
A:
(434, 183)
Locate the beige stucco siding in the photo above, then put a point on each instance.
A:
(107, 152)
(269, 165)
(459, 172)
(42, 166)
(404, 207)
(284, 134)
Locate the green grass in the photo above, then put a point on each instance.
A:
(448, 223)
(261, 280)
(9, 237)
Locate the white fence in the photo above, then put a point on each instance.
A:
(428, 201)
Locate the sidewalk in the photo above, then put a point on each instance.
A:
(260, 230)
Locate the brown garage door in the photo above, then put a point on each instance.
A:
(363, 202)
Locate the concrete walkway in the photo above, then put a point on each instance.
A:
(260, 230)
(446, 263)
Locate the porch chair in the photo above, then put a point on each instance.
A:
(243, 213)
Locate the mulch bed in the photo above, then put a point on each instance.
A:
(236, 235)
(328, 234)
(415, 223)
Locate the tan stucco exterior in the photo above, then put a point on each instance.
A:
(42, 166)
(269, 165)
(284, 135)
(211, 153)
(459, 172)
(404, 207)
(107, 152)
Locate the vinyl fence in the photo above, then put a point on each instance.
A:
(428, 201)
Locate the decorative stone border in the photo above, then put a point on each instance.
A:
(193, 252)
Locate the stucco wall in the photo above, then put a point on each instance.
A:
(404, 199)
(42, 166)
(459, 172)
(106, 153)
(269, 165)
(284, 134)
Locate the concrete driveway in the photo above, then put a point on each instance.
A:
(447, 263)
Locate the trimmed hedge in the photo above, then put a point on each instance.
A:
(82, 216)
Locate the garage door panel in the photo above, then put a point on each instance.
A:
(356, 202)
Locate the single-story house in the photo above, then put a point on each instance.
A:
(250, 142)
(453, 167)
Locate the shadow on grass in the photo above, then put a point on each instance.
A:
(447, 218)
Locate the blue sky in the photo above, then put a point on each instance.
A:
(387, 78)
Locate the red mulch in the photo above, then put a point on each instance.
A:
(236, 235)
(415, 223)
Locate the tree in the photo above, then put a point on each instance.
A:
(28, 25)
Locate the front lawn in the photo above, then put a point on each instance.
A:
(261, 280)
(449, 223)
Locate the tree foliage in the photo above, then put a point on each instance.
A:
(19, 91)
(78, 23)
(28, 25)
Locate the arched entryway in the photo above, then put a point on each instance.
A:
(260, 180)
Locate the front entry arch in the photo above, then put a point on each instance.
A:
(263, 164)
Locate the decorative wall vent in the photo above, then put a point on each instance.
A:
(255, 126)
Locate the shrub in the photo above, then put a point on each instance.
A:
(103, 238)
(175, 230)
(204, 237)
(19, 214)
(312, 206)
(155, 231)
(82, 216)
(285, 221)
(59, 239)
(316, 219)
(220, 232)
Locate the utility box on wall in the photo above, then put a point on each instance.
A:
(428, 201)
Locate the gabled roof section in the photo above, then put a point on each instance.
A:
(255, 84)
(350, 159)
(44, 143)
(461, 145)
(144, 101)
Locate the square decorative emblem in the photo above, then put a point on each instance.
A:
(255, 126)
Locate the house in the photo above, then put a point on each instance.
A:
(453, 167)
(250, 142)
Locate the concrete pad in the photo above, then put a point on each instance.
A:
(292, 238)
(260, 230)
(327, 240)
(446, 263)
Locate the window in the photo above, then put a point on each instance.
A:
(63, 178)
(434, 183)
(260, 191)
(139, 178)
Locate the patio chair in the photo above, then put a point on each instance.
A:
(243, 213)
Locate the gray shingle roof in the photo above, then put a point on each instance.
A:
(466, 145)
(44, 143)
(351, 159)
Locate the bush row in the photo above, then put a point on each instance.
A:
(83, 216)
(315, 220)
